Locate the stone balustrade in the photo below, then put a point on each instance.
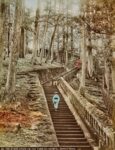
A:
(87, 112)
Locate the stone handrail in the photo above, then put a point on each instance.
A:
(70, 74)
(64, 74)
(87, 112)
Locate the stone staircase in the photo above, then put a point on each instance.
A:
(68, 132)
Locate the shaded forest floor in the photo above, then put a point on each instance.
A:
(26, 121)
(93, 94)
(25, 64)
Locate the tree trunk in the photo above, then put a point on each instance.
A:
(71, 37)
(66, 59)
(26, 42)
(107, 76)
(90, 66)
(2, 21)
(41, 54)
(44, 39)
(9, 41)
(90, 63)
(34, 56)
(113, 78)
(36, 34)
(51, 51)
(63, 57)
(22, 44)
(58, 38)
(11, 77)
(72, 46)
(9, 31)
(58, 45)
(2, 10)
(113, 71)
(38, 46)
(83, 49)
(113, 116)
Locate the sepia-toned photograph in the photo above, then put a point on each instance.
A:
(57, 74)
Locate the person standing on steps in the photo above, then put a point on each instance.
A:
(56, 100)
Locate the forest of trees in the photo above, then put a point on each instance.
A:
(55, 35)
